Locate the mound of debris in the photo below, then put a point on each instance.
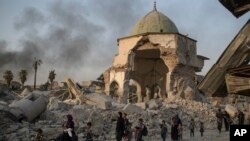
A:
(47, 110)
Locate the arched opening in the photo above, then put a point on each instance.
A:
(152, 71)
(114, 89)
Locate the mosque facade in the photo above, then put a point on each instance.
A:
(155, 60)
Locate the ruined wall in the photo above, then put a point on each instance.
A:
(167, 60)
(125, 45)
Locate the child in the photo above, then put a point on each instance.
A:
(89, 132)
(191, 127)
(136, 133)
(39, 135)
(201, 128)
(130, 131)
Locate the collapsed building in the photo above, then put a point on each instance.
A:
(155, 60)
(234, 61)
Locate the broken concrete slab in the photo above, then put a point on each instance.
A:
(100, 100)
(231, 110)
(142, 105)
(30, 106)
(130, 108)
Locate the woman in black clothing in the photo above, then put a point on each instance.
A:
(174, 130)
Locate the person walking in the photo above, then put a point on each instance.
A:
(130, 132)
(136, 133)
(191, 127)
(226, 118)
(68, 132)
(119, 127)
(126, 124)
(142, 130)
(180, 131)
(174, 130)
(201, 128)
(164, 130)
(241, 117)
(219, 116)
(89, 136)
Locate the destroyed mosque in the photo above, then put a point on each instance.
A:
(155, 60)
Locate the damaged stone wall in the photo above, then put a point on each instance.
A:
(139, 58)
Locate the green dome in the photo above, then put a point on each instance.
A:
(154, 22)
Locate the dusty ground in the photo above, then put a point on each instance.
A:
(209, 135)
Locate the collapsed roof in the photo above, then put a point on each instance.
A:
(236, 7)
(235, 55)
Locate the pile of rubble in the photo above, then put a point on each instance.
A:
(49, 109)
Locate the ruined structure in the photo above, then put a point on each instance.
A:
(236, 7)
(155, 60)
(232, 59)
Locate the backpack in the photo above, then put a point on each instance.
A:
(145, 131)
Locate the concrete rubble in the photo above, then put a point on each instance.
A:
(47, 110)
(100, 100)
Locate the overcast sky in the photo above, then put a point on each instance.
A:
(77, 38)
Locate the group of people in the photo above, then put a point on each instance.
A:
(125, 132)
(192, 128)
(224, 116)
(68, 133)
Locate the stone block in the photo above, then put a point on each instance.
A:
(231, 110)
(100, 100)
(142, 105)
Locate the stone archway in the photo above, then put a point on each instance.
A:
(151, 70)
(113, 89)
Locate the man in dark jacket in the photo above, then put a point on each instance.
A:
(119, 127)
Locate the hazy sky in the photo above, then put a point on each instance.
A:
(77, 38)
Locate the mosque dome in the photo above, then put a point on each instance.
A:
(154, 22)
